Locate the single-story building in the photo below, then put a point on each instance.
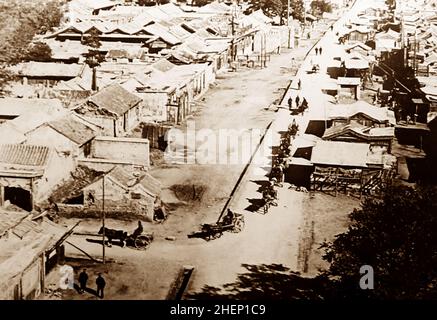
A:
(66, 135)
(355, 132)
(126, 194)
(30, 247)
(349, 86)
(113, 108)
(29, 172)
(48, 73)
(12, 108)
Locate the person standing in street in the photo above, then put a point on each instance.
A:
(299, 84)
(297, 101)
(101, 283)
(320, 50)
(290, 103)
(83, 278)
(317, 51)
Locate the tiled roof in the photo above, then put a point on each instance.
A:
(151, 184)
(18, 106)
(80, 178)
(22, 154)
(123, 177)
(74, 130)
(9, 219)
(48, 69)
(128, 180)
(163, 65)
(115, 99)
(335, 153)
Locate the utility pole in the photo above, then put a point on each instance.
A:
(415, 52)
(103, 218)
(288, 12)
(265, 50)
(288, 24)
(304, 14)
(233, 37)
(403, 45)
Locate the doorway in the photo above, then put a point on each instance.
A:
(19, 197)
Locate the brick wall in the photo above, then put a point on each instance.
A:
(133, 150)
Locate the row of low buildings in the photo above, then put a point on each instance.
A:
(158, 60)
(347, 138)
(168, 55)
(66, 142)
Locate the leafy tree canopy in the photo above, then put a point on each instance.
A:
(318, 7)
(93, 39)
(39, 51)
(278, 8)
(94, 58)
(397, 237)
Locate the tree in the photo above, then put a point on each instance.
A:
(38, 52)
(92, 39)
(278, 8)
(298, 10)
(318, 7)
(93, 58)
(201, 3)
(5, 77)
(25, 21)
(397, 237)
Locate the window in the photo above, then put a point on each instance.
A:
(87, 149)
(135, 195)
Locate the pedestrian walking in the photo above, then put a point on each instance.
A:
(280, 174)
(317, 51)
(297, 101)
(290, 103)
(299, 84)
(101, 283)
(83, 278)
(320, 50)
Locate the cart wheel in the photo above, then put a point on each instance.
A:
(216, 235)
(141, 243)
(265, 208)
(239, 225)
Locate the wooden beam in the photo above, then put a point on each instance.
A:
(83, 251)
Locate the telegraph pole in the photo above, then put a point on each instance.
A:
(233, 51)
(288, 24)
(103, 218)
(415, 52)
(288, 12)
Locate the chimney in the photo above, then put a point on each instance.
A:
(94, 80)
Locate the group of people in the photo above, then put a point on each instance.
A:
(319, 51)
(100, 283)
(279, 164)
(300, 105)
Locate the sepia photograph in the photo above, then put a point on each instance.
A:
(218, 150)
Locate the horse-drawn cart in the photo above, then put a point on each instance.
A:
(139, 241)
(209, 232)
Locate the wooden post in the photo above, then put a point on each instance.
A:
(2, 195)
(103, 219)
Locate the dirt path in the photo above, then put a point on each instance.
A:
(238, 100)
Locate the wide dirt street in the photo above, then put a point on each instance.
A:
(238, 100)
